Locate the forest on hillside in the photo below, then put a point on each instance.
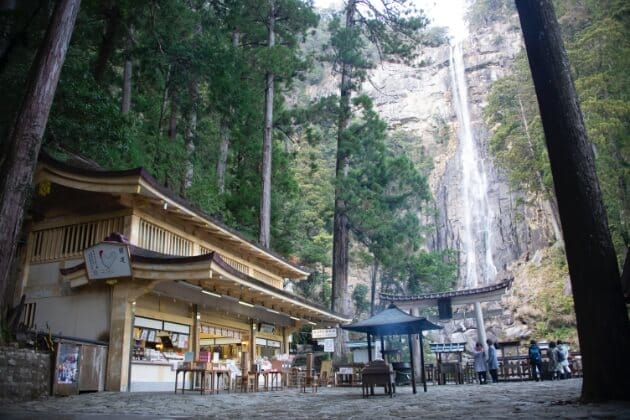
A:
(208, 97)
(596, 35)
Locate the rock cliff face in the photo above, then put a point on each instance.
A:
(419, 102)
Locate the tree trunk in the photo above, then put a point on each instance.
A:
(107, 43)
(172, 122)
(265, 196)
(602, 318)
(625, 277)
(223, 155)
(373, 288)
(225, 132)
(341, 229)
(25, 138)
(191, 133)
(125, 106)
(341, 226)
(167, 83)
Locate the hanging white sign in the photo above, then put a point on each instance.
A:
(329, 345)
(107, 260)
(324, 333)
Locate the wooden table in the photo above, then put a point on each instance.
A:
(215, 375)
(272, 379)
(194, 372)
(273, 376)
(204, 374)
(344, 376)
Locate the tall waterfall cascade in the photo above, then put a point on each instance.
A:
(476, 238)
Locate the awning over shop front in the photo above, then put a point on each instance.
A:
(208, 280)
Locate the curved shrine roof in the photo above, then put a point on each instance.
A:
(138, 181)
(490, 292)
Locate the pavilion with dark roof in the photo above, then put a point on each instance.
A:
(394, 321)
(444, 301)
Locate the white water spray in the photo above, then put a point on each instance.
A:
(478, 215)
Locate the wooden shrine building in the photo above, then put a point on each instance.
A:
(181, 283)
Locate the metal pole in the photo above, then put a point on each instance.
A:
(413, 374)
(369, 347)
(424, 379)
(382, 348)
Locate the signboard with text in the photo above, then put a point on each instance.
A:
(107, 260)
(324, 333)
(329, 345)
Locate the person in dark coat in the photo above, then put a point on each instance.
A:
(535, 360)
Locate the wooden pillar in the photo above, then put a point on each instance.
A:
(285, 340)
(252, 346)
(194, 336)
(132, 228)
(424, 378)
(120, 333)
(413, 375)
(415, 345)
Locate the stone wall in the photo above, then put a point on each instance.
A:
(24, 374)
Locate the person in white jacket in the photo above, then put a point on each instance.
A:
(564, 363)
(480, 364)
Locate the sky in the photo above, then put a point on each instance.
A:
(449, 13)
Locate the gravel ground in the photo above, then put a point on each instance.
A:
(557, 399)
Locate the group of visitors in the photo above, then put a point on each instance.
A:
(558, 354)
(485, 364)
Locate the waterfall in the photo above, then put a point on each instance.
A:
(477, 213)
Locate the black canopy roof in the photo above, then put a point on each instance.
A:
(392, 321)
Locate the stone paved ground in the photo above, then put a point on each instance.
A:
(547, 399)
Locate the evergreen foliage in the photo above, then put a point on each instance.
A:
(596, 39)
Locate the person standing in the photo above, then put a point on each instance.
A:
(563, 353)
(493, 361)
(480, 364)
(554, 361)
(535, 360)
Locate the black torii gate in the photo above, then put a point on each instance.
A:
(394, 321)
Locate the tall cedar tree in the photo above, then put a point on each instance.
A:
(602, 317)
(288, 19)
(25, 139)
(384, 27)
